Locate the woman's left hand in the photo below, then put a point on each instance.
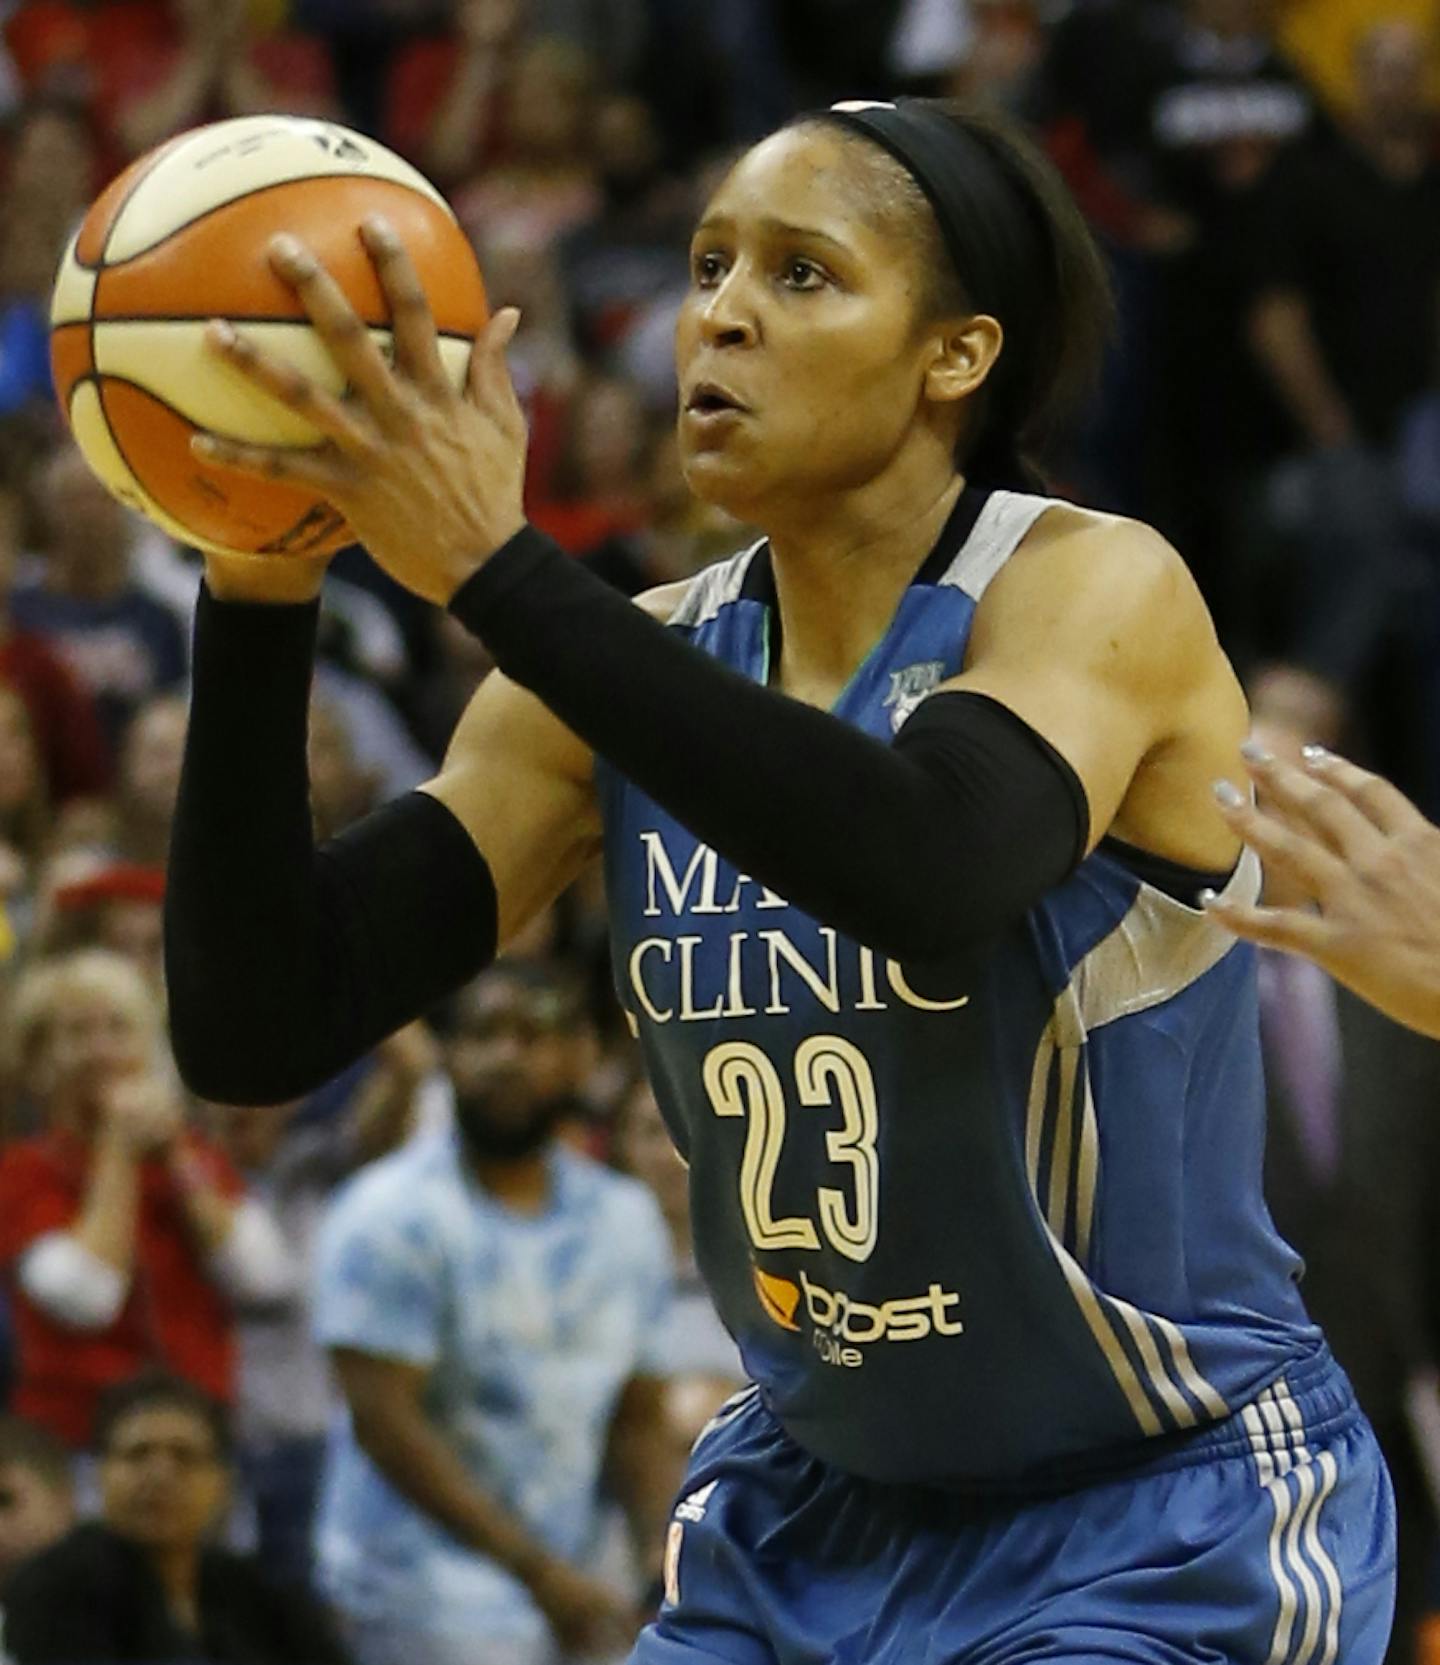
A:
(430, 480)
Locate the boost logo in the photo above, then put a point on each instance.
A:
(842, 1326)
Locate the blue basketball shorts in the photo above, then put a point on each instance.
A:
(1268, 1539)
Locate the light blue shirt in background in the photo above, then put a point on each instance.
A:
(530, 1324)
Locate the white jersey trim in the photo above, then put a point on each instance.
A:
(713, 589)
(1158, 948)
(998, 532)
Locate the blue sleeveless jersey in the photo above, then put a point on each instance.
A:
(993, 1226)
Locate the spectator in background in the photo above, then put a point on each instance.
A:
(527, 174)
(9, 75)
(1223, 105)
(703, 1366)
(292, 1158)
(122, 644)
(124, 1235)
(117, 907)
(67, 730)
(460, 662)
(363, 38)
(341, 790)
(544, 354)
(613, 34)
(1168, 119)
(598, 489)
(48, 183)
(371, 731)
(209, 73)
(144, 1583)
(37, 1493)
(719, 76)
(635, 251)
(133, 825)
(24, 818)
(1346, 326)
(494, 1305)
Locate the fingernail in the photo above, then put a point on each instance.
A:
(1315, 755)
(1206, 897)
(1253, 752)
(222, 333)
(203, 446)
(291, 252)
(1227, 794)
(378, 227)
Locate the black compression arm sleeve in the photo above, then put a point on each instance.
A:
(916, 849)
(285, 963)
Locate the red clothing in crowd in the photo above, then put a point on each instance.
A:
(175, 1316)
(67, 729)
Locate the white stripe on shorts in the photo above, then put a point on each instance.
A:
(1299, 1484)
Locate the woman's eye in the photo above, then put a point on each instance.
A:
(803, 274)
(708, 269)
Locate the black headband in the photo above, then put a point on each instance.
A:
(990, 229)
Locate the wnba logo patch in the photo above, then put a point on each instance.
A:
(908, 686)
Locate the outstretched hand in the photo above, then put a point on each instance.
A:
(430, 480)
(1367, 860)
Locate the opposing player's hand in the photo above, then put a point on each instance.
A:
(430, 480)
(1368, 861)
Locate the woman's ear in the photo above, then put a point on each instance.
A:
(965, 355)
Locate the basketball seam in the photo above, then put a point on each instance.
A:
(120, 450)
(242, 196)
(150, 393)
(160, 154)
(135, 474)
(76, 385)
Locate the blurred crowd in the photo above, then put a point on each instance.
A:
(407, 1370)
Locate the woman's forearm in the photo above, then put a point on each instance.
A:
(284, 964)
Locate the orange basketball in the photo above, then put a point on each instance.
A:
(180, 238)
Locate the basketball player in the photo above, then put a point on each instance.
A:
(905, 815)
(1366, 857)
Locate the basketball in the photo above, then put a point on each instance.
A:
(181, 237)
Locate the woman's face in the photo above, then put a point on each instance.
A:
(801, 309)
(94, 1037)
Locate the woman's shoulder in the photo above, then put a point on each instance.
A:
(1099, 586)
(1098, 557)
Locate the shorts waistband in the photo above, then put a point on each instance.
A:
(1299, 1407)
(1305, 1404)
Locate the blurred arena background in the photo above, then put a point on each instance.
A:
(1264, 177)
